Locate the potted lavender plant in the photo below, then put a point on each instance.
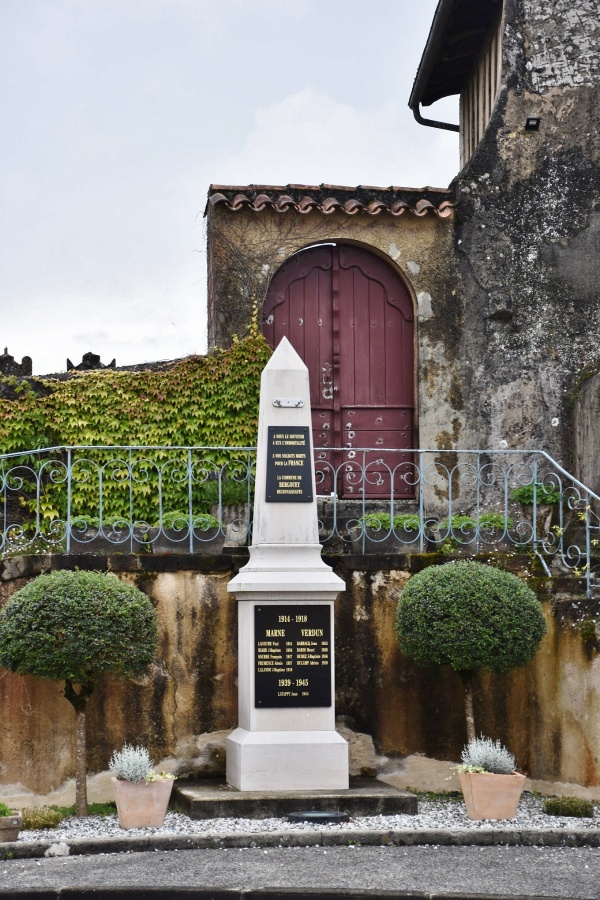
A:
(491, 787)
(142, 795)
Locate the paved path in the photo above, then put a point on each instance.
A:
(474, 871)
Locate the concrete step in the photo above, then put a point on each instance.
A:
(212, 799)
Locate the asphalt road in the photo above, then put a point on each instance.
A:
(479, 871)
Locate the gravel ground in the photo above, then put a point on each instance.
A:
(511, 872)
(432, 814)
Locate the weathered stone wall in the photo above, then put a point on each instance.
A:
(528, 232)
(548, 713)
(190, 690)
(586, 408)
(562, 43)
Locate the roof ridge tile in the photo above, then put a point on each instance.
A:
(328, 199)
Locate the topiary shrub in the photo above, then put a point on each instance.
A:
(569, 806)
(470, 616)
(76, 627)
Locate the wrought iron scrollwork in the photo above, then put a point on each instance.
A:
(141, 499)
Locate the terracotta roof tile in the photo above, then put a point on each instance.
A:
(328, 198)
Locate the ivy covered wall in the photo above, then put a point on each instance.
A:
(198, 401)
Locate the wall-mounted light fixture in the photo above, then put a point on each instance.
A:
(532, 123)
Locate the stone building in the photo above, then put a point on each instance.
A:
(499, 317)
(9, 365)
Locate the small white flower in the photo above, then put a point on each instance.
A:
(503, 444)
(554, 422)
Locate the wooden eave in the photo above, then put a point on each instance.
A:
(458, 33)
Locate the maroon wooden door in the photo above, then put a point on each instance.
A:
(349, 316)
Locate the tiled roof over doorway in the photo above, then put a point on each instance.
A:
(329, 198)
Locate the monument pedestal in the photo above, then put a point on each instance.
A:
(286, 760)
(286, 738)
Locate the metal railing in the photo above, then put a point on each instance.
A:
(192, 499)
(126, 499)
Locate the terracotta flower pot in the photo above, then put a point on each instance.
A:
(10, 827)
(490, 796)
(142, 804)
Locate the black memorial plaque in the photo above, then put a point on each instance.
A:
(289, 465)
(293, 655)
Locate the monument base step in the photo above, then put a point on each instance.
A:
(213, 799)
(288, 760)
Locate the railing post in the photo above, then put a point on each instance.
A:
(534, 534)
(4, 506)
(190, 500)
(130, 500)
(478, 502)
(220, 497)
(450, 515)
(421, 475)
(392, 500)
(69, 488)
(588, 562)
(364, 501)
(249, 507)
(160, 473)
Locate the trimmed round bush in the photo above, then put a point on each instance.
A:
(470, 616)
(77, 626)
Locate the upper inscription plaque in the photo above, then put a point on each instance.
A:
(289, 465)
(293, 655)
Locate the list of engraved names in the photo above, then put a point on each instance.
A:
(293, 655)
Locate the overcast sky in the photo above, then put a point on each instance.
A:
(118, 114)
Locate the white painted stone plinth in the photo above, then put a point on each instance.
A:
(292, 748)
(287, 760)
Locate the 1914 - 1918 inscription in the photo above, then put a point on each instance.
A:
(293, 655)
(289, 465)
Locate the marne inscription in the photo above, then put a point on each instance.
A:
(293, 655)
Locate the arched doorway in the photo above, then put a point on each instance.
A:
(349, 316)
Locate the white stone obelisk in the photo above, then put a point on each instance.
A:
(285, 608)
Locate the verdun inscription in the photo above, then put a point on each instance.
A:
(289, 465)
(293, 655)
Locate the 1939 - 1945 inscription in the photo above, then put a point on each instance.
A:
(289, 465)
(293, 655)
